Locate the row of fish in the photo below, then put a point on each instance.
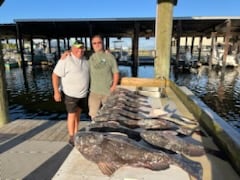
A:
(141, 141)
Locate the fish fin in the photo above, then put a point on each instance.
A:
(193, 168)
(107, 168)
(216, 153)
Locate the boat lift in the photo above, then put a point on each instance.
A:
(120, 54)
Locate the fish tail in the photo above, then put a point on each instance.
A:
(192, 167)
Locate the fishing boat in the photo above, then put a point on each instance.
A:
(232, 60)
(11, 63)
(42, 59)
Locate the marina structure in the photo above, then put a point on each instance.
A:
(179, 98)
(198, 34)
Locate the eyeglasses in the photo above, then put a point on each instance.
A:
(97, 42)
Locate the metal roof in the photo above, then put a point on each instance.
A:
(115, 27)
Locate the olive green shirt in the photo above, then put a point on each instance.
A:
(102, 67)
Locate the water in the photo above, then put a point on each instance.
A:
(31, 96)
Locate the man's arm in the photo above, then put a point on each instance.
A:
(115, 81)
(55, 84)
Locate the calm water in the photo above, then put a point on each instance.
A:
(30, 95)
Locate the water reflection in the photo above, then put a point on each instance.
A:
(218, 90)
(30, 94)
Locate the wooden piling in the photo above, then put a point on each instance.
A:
(163, 35)
(3, 94)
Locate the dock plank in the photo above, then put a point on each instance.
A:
(59, 132)
(44, 134)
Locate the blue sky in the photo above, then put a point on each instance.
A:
(31, 9)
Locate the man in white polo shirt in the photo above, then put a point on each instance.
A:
(73, 78)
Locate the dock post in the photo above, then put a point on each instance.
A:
(3, 93)
(163, 36)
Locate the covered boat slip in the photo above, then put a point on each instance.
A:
(215, 166)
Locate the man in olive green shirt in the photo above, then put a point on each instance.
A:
(104, 75)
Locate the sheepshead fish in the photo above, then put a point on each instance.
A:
(111, 152)
(172, 142)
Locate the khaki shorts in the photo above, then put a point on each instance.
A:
(95, 102)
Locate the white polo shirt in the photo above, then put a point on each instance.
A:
(74, 74)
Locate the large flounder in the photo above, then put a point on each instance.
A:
(111, 152)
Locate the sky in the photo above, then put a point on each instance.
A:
(12, 10)
(54, 9)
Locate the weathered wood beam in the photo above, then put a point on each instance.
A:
(163, 34)
(226, 47)
(213, 48)
(138, 82)
(135, 47)
(3, 94)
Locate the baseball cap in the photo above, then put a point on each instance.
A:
(78, 44)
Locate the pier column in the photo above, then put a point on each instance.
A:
(163, 34)
(226, 47)
(192, 46)
(179, 34)
(135, 47)
(3, 94)
(200, 48)
(213, 49)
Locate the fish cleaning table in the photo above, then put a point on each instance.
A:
(76, 167)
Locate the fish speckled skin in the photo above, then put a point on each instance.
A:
(111, 152)
(112, 126)
(156, 124)
(172, 142)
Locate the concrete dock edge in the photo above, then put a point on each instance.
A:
(224, 135)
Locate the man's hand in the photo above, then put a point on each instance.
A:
(57, 96)
(113, 88)
(65, 54)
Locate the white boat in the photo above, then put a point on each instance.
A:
(231, 59)
(11, 63)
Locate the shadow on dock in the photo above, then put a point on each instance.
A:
(48, 169)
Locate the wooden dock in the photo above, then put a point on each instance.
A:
(33, 149)
(40, 130)
(38, 149)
